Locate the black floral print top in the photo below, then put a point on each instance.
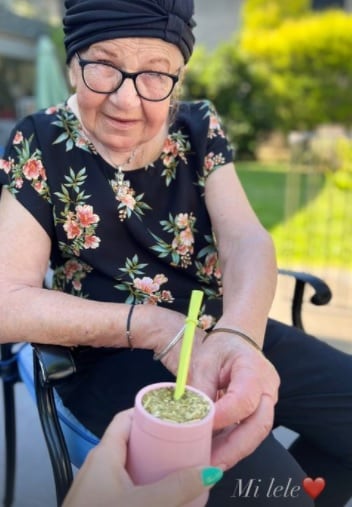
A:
(149, 242)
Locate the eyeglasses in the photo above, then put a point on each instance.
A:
(106, 78)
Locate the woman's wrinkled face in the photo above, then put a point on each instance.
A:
(122, 120)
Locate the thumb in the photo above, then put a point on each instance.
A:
(181, 487)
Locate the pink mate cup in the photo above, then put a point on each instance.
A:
(157, 448)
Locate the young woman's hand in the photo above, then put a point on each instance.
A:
(103, 481)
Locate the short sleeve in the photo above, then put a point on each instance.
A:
(218, 148)
(23, 173)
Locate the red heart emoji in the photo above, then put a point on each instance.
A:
(313, 487)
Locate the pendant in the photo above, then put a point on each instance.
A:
(120, 186)
(124, 194)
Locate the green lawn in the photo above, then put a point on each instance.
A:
(309, 217)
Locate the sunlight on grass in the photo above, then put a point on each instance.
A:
(309, 217)
(319, 233)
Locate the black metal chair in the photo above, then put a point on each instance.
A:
(42, 367)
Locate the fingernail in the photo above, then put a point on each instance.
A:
(211, 475)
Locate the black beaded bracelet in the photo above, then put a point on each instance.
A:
(236, 332)
(128, 327)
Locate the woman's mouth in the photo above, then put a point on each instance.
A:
(121, 123)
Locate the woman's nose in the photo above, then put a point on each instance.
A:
(127, 94)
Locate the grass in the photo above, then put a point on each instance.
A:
(309, 217)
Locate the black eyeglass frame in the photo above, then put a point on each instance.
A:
(126, 75)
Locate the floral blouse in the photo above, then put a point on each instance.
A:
(147, 239)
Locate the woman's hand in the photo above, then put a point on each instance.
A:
(235, 374)
(245, 385)
(103, 481)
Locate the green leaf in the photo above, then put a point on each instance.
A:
(62, 137)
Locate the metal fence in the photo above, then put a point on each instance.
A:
(318, 208)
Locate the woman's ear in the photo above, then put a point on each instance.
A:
(72, 74)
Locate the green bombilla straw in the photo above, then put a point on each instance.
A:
(187, 343)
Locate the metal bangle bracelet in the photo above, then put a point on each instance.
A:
(169, 346)
(236, 332)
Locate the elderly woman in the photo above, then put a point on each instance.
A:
(134, 200)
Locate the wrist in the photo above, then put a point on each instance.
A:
(153, 327)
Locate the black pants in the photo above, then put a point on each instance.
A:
(315, 400)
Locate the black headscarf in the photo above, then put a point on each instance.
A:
(89, 21)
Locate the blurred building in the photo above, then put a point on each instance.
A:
(48, 11)
(18, 39)
(216, 20)
(328, 4)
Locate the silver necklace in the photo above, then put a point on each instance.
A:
(120, 185)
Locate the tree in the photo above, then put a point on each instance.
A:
(261, 14)
(308, 64)
(239, 91)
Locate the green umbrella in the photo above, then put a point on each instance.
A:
(50, 83)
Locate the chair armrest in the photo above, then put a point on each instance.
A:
(51, 364)
(55, 361)
(322, 293)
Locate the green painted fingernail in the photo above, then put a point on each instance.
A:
(211, 475)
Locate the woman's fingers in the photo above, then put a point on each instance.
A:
(239, 440)
(249, 379)
(178, 488)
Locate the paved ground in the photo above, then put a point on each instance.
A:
(35, 486)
